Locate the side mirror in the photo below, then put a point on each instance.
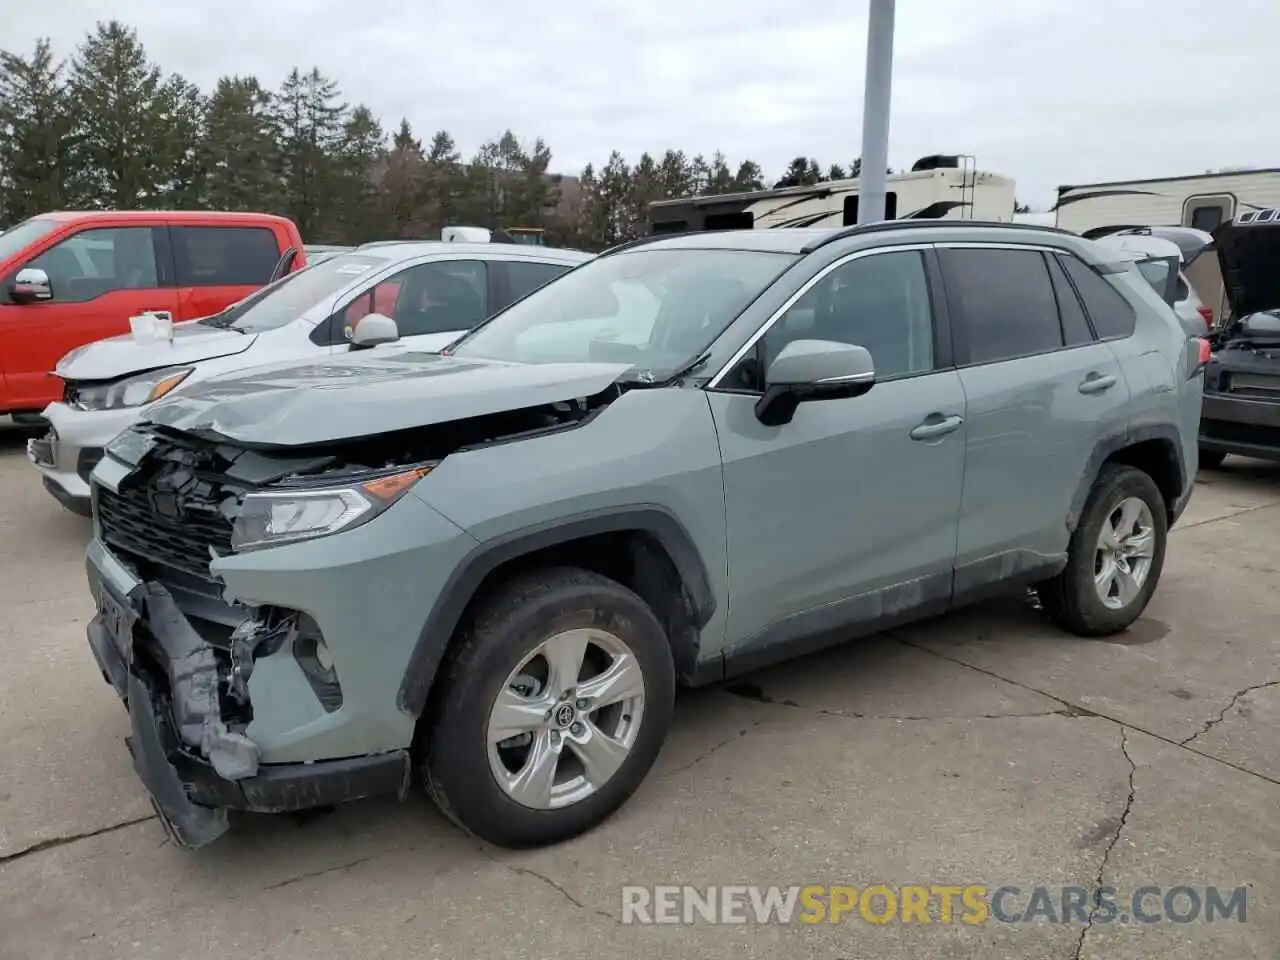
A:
(31, 285)
(813, 370)
(373, 329)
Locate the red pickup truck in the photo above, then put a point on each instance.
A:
(67, 279)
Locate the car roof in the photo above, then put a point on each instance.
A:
(178, 216)
(398, 249)
(804, 240)
(1139, 246)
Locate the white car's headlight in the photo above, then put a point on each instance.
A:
(132, 391)
(287, 515)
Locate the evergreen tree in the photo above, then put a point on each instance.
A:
(36, 126)
(239, 154)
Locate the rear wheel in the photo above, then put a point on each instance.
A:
(1115, 556)
(556, 704)
(1211, 459)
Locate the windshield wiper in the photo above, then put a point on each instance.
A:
(222, 321)
(693, 366)
(645, 378)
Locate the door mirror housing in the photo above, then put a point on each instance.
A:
(31, 285)
(813, 370)
(373, 329)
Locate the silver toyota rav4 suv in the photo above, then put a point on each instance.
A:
(691, 457)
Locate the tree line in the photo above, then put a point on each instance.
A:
(108, 128)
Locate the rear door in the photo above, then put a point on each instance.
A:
(217, 265)
(100, 277)
(1041, 391)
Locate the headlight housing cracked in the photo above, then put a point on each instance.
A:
(282, 515)
(135, 391)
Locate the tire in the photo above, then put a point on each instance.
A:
(1211, 459)
(460, 769)
(1072, 599)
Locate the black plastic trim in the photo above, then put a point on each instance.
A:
(1109, 446)
(470, 573)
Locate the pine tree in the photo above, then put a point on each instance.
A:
(36, 127)
(309, 119)
(120, 138)
(238, 154)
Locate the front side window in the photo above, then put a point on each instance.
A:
(224, 256)
(445, 296)
(1006, 301)
(95, 262)
(880, 302)
(654, 309)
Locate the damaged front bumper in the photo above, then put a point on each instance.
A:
(174, 683)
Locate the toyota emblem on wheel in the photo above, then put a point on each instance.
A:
(565, 714)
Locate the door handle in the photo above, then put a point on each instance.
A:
(936, 426)
(1095, 383)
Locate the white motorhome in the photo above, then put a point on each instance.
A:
(937, 187)
(1202, 201)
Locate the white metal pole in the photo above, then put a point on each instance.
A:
(875, 112)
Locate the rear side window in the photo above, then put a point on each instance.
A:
(1075, 325)
(224, 256)
(1110, 312)
(1005, 300)
(526, 277)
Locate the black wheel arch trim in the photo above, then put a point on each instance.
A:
(1109, 446)
(467, 577)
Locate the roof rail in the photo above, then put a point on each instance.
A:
(887, 226)
(637, 242)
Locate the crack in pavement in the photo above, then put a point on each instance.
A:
(320, 873)
(1111, 845)
(558, 888)
(752, 692)
(715, 748)
(54, 842)
(1226, 516)
(1235, 698)
(1085, 711)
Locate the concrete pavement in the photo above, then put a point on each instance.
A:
(983, 748)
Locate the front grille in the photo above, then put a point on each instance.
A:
(130, 525)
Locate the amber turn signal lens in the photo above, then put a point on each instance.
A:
(388, 488)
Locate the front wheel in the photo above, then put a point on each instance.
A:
(556, 704)
(1115, 556)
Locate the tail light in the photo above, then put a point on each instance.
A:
(1207, 314)
(1204, 352)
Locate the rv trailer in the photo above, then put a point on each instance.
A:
(936, 187)
(1202, 201)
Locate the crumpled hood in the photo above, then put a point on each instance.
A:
(1249, 256)
(123, 355)
(301, 404)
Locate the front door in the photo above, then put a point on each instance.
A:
(100, 277)
(845, 517)
(432, 303)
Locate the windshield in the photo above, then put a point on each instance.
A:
(283, 301)
(654, 309)
(17, 239)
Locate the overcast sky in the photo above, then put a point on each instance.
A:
(1046, 91)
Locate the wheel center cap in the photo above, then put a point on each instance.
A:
(564, 715)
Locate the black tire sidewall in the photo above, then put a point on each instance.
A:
(458, 762)
(1115, 485)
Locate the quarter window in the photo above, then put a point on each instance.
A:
(224, 256)
(99, 261)
(1075, 325)
(1006, 301)
(1110, 312)
(880, 302)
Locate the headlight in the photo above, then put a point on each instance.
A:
(131, 392)
(284, 515)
